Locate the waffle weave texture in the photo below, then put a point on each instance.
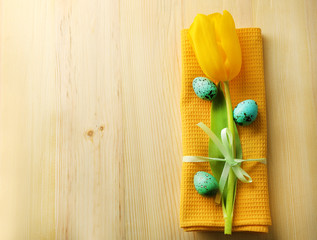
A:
(251, 211)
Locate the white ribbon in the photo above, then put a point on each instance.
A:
(225, 146)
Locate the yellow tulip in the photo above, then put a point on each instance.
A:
(216, 45)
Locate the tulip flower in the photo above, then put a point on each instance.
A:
(217, 48)
(216, 45)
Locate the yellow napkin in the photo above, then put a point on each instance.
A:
(251, 211)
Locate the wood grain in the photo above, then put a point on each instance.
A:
(90, 129)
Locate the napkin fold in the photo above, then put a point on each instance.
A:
(251, 211)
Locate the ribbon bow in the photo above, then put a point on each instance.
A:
(225, 146)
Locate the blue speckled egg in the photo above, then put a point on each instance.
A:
(245, 112)
(205, 184)
(204, 88)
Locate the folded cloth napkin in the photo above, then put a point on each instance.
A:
(251, 211)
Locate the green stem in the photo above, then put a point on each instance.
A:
(229, 112)
(232, 177)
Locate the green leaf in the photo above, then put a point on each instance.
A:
(218, 120)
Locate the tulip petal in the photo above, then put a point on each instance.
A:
(204, 42)
(230, 44)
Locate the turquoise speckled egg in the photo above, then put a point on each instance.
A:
(245, 112)
(204, 88)
(205, 184)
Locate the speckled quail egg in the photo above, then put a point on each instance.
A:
(245, 112)
(204, 88)
(205, 184)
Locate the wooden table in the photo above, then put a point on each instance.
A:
(90, 127)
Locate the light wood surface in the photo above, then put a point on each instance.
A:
(90, 128)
